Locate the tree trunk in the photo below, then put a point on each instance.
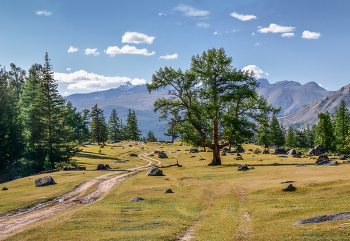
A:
(216, 156)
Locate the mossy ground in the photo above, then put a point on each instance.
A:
(220, 202)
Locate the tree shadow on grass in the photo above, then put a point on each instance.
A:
(95, 156)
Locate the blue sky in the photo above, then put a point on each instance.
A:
(95, 45)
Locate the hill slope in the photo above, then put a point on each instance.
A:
(308, 115)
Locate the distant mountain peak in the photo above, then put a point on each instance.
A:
(126, 85)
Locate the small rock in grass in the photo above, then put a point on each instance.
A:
(136, 199)
(251, 168)
(5, 188)
(243, 167)
(45, 181)
(289, 188)
(166, 178)
(154, 171)
(301, 165)
(168, 190)
(287, 182)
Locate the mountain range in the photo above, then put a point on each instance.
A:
(290, 95)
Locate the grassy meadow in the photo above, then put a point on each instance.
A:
(210, 203)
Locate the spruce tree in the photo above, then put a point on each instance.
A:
(341, 126)
(151, 137)
(114, 128)
(277, 134)
(77, 122)
(325, 132)
(290, 138)
(132, 129)
(98, 125)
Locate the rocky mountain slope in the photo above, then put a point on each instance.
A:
(308, 115)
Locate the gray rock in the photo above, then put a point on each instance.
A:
(316, 151)
(103, 167)
(166, 179)
(193, 150)
(168, 190)
(239, 158)
(291, 152)
(279, 150)
(133, 154)
(45, 181)
(322, 157)
(87, 143)
(265, 151)
(5, 188)
(343, 157)
(162, 155)
(296, 156)
(332, 164)
(301, 165)
(136, 199)
(243, 167)
(325, 218)
(347, 161)
(289, 188)
(154, 171)
(251, 168)
(322, 162)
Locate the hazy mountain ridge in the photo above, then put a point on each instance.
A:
(308, 115)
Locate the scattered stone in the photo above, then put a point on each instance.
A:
(119, 161)
(257, 151)
(325, 218)
(102, 146)
(243, 167)
(289, 188)
(283, 156)
(239, 149)
(316, 151)
(130, 145)
(223, 154)
(133, 154)
(103, 167)
(265, 151)
(239, 154)
(73, 168)
(322, 162)
(343, 157)
(136, 199)
(347, 161)
(332, 164)
(279, 151)
(322, 157)
(202, 159)
(112, 142)
(251, 168)
(301, 165)
(238, 158)
(5, 188)
(287, 182)
(45, 181)
(291, 152)
(166, 179)
(296, 156)
(154, 171)
(87, 143)
(168, 190)
(50, 171)
(250, 149)
(275, 147)
(193, 150)
(162, 155)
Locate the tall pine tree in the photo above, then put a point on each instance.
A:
(98, 125)
(290, 138)
(277, 133)
(114, 127)
(131, 127)
(325, 131)
(341, 126)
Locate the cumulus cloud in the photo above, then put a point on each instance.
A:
(137, 38)
(243, 17)
(72, 49)
(274, 28)
(311, 35)
(215, 33)
(46, 13)
(68, 69)
(191, 11)
(257, 44)
(253, 33)
(82, 80)
(257, 72)
(173, 56)
(91, 51)
(288, 35)
(204, 25)
(112, 51)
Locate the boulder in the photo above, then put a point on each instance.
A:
(133, 154)
(322, 157)
(291, 152)
(297, 156)
(136, 199)
(239, 149)
(278, 151)
(332, 164)
(347, 161)
(239, 158)
(265, 151)
(193, 150)
(243, 167)
(250, 149)
(103, 167)
(251, 168)
(87, 143)
(316, 151)
(162, 155)
(275, 147)
(5, 188)
(289, 188)
(73, 168)
(322, 162)
(168, 190)
(45, 181)
(154, 171)
(343, 157)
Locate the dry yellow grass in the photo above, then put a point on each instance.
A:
(216, 203)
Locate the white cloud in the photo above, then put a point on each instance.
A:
(46, 13)
(137, 38)
(91, 51)
(191, 11)
(160, 14)
(112, 51)
(320, 85)
(72, 49)
(288, 35)
(257, 72)
(65, 93)
(257, 44)
(274, 28)
(68, 69)
(215, 33)
(82, 80)
(310, 35)
(174, 56)
(204, 25)
(243, 17)
(253, 33)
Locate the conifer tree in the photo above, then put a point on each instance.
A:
(325, 131)
(300, 139)
(290, 138)
(151, 137)
(98, 125)
(131, 128)
(77, 122)
(341, 126)
(310, 136)
(16, 81)
(277, 134)
(114, 128)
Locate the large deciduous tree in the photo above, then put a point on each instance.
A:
(218, 104)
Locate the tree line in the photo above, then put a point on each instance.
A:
(331, 131)
(40, 130)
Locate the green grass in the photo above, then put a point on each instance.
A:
(210, 198)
